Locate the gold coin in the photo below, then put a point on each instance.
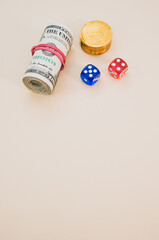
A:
(96, 37)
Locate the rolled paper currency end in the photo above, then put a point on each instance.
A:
(44, 68)
(37, 85)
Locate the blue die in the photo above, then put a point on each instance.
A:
(90, 74)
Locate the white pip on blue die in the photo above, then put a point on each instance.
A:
(90, 74)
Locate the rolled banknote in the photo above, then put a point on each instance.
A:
(45, 66)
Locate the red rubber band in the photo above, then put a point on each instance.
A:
(52, 49)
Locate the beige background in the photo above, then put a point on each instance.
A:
(83, 163)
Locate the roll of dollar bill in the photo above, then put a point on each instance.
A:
(44, 68)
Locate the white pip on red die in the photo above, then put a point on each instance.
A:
(117, 68)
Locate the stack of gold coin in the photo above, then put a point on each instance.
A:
(96, 37)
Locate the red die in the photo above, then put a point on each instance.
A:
(118, 68)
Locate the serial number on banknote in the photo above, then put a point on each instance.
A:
(45, 59)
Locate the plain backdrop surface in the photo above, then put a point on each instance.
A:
(83, 163)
